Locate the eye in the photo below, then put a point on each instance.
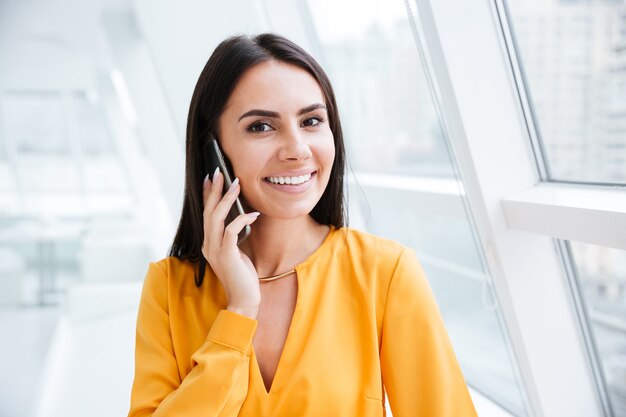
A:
(313, 121)
(259, 127)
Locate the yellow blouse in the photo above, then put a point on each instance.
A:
(364, 318)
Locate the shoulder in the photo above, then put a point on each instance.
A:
(170, 274)
(381, 266)
(174, 266)
(371, 252)
(369, 244)
(396, 267)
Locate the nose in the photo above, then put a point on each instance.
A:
(294, 146)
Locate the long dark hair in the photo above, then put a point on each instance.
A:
(229, 61)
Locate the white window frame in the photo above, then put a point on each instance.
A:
(475, 87)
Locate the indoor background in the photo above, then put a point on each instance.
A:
(490, 136)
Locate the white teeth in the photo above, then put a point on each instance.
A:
(290, 180)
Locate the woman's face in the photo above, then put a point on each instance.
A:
(274, 130)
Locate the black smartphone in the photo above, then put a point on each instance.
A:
(216, 159)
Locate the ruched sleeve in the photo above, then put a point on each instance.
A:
(420, 371)
(217, 385)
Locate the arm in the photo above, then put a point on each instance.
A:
(420, 371)
(218, 383)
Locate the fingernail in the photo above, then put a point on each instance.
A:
(254, 213)
(217, 171)
(206, 179)
(233, 185)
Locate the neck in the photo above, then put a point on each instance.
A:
(277, 245)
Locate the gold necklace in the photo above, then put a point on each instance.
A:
(274, 277)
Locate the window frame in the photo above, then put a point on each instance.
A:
(470, 59)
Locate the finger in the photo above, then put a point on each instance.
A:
(224, 206)
(215, 194)
(235, 227)
(219, 214)
(206, 187)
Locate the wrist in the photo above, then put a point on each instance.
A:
(251, 312)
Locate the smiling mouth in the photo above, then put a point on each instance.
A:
(296, 180)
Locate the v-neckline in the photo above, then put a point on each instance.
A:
(294, 318)
(285, 351)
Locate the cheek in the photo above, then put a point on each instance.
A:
(246, 166)
(327, 155)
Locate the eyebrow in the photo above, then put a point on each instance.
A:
(267, 113)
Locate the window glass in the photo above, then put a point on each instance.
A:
(3, 141)
(92, 132)
(572, 56)
(601, 272)
(396, 145)
(81, 210)
(62, 148)
(37, 122)
(383, 97)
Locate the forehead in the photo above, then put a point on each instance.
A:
(277, 86)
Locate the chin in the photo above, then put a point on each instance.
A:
(291, 212)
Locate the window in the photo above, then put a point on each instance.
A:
(579, 123)
(601, 275)
(63, 153)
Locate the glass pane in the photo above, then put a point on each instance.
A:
(48, 172)
(602, 275)
(73, 226)
(381, 92)
(3, 141)
(7, 179)
(572, 55)
(92, 131)
(37, 122)
(104, 174)
(396, 144)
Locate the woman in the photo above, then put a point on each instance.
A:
(306, 317)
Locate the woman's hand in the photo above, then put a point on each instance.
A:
(232, 267)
